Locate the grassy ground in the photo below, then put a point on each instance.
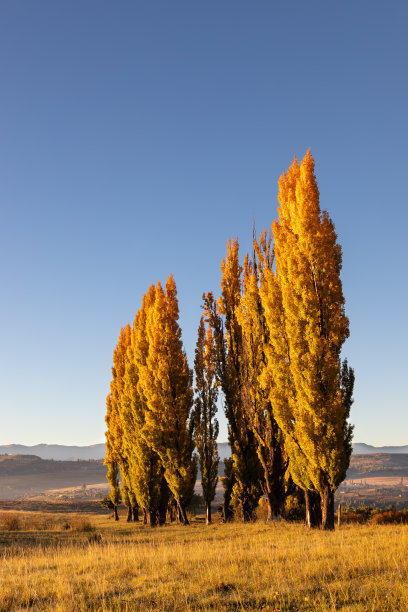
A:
(67, 562)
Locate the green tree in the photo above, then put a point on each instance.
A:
(228, 341)
(205, 408)
(256, 401)
(112, 475)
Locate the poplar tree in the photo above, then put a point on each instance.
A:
(308, 264)
(166, 383)
(229, 346)
(256, 400)
(112, 475)
(114, 435)
(277, 380)
(205, 408)
(146, 470)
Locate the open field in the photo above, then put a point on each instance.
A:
(379, 481)
(67, 562)
(53, 506)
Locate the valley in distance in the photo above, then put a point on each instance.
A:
(377, 476)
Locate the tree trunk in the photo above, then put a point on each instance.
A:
(115, 512)
(313, 509)
(182, 513)
(227, 511)
(179, 517)
(208, 513)
(246, 508)
(171, 513)
(153, 516)
(274, 474)
(274, 507)
(144, 516)
(129, 514)
(327, 508)
(162, 514)
(164, 501)
(135, 513)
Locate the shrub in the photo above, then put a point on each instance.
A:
(10, 522)
(389, 517)
(365, 511)
(359, 515)
(106, 502)
(82, 524)
(353, 517)
(39, 523)
(295, 509)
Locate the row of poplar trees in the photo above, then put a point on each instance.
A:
(271, 343)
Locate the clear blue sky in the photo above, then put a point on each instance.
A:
(136, 137)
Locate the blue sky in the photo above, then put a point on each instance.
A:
(136, 137)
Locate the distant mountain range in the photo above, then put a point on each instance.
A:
(60, 452)
(57, 452)
(359, 448)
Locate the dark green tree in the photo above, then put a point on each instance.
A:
(205, 408)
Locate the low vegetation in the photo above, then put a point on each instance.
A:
(99, 564)
(365, 514)
(36, 521)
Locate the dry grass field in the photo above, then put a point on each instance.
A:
(87, 562)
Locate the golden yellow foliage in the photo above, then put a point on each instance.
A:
(166, 383)
(304, 305)
(256, 401)
(246, 469)
(115, 455)
(145, 468)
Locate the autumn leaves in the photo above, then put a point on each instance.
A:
(149, 433)
(271, 345)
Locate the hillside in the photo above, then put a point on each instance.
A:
(18, 465)
(378, 464)
(22, 475)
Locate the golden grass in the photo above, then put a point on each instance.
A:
(120, 566)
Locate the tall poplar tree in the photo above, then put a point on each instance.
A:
(114, 435)
(308, 264)
(112, 475)
(166, 383)
(229, 346)
(277, 380)
(256, 400)
(205, 408)
(146, 470)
